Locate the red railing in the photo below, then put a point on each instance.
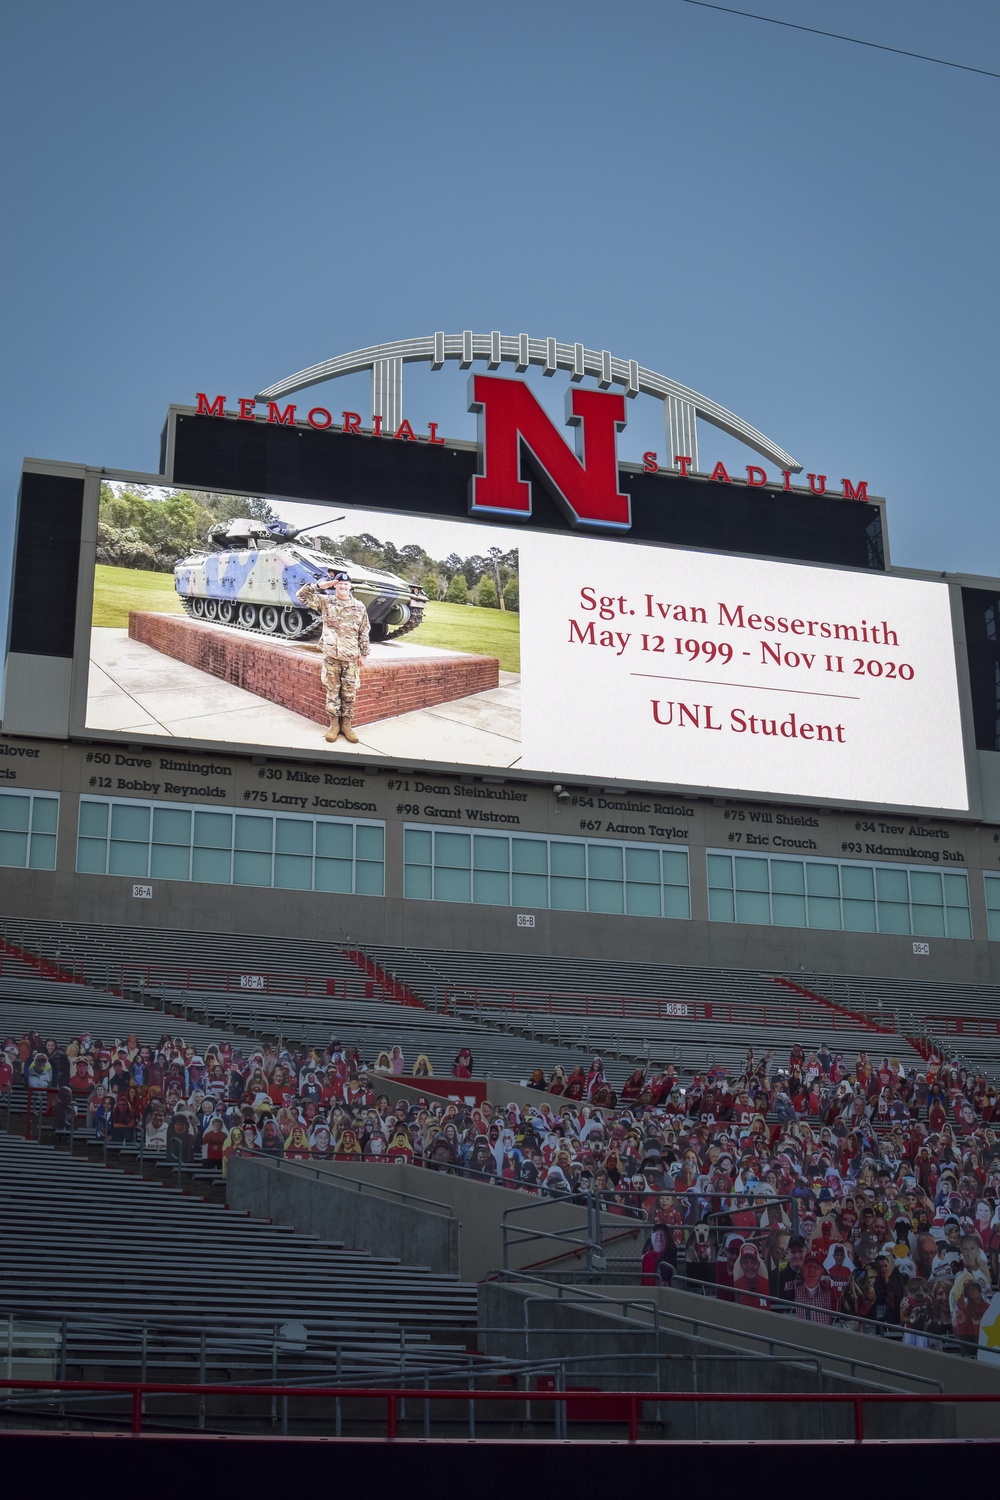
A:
(376, 983)
(49, 968)
(833, 1008)
(988, 1026)
(629, 1403)
(246, 982)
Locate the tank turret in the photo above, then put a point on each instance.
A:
(249, 573)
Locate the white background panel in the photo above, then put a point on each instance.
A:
(588, 708)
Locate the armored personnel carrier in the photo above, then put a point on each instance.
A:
(249, 573)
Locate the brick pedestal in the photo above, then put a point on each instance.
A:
(286, 673)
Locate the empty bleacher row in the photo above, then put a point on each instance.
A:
(369, 1025)
(64, 1010)
(623, 1010)
(963, 1018)
(512, 1050)
(695, 1018)
(523, 1038)
(110, 956)
(434, 974)
(112, 1253)
(496, 978)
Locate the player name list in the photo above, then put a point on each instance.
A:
(348, 791)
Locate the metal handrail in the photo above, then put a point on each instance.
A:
(644, 1006)
(629, 1401)
(362, 1185)
(152, 1337)
(631, 1266)
(696, 1322)
(592, 1245)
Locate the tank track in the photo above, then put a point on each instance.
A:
(416, 618)
(310, 634)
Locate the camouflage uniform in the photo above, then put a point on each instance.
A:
(345, 641)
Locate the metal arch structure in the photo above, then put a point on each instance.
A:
(682, 406)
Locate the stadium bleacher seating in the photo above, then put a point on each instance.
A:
(135, 1249)
(617, 1009)
(184, 1268)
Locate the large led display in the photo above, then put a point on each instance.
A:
(611, 661)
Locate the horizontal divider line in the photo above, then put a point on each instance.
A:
(753, 687)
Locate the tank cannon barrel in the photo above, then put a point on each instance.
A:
(292, 533)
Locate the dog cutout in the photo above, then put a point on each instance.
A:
(700, 1256)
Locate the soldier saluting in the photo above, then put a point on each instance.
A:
(345, 641)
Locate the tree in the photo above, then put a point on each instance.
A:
(145, 527)
(123, 547)
(235, 507)
(487, 596)
(123, 509)
(510, 595)
(365, 549)
(495, 555)
(431, 587)
(413, 560)
(322, 543)
(175, 526)
(458, 590)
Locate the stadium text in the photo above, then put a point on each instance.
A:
(703, 716)
(318, 417)
(585, 483)
(757, 477)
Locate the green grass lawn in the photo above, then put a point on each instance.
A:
(466, 627)
(454, 627)
(117, 590)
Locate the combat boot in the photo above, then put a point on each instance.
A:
(348, 732)
(333, 733)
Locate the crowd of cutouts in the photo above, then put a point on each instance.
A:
(857, 1192)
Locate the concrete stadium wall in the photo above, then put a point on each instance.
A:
(741, 1330)
(61, 896)
(562, 1331)
(480, 1209)
(327, 1206)
(318, 1199)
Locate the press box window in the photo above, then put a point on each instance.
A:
(585, 875)
(28, 822)
(837, 896)
(993, 907)
(340, 857)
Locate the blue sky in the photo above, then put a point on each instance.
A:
(212, 196)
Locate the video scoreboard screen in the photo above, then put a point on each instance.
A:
(535, 608)
(613, 661)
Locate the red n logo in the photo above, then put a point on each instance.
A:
(586, 484)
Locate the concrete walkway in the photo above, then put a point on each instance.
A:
(136, 690)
